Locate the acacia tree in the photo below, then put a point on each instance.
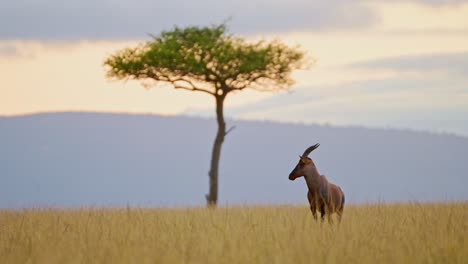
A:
(208, 60)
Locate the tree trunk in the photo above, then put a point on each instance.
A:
(212, 196)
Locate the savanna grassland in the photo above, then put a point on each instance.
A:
(403, 233)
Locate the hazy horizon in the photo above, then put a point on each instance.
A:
(98, 159)
(209, 116)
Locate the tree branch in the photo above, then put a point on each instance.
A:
(229, 130)
(193, 89)
(191, 86)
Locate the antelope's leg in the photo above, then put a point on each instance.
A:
(329, 218)
(313, 205)
(340, 214)
(313, 209)
(322, 212)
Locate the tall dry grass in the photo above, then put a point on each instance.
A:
(406, 233)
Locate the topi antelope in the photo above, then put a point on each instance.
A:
(323, 195)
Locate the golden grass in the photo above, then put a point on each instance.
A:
(406, 233)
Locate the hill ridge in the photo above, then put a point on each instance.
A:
(81, 158)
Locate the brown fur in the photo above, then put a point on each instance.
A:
(323, 196)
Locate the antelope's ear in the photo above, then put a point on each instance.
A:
(305, 160)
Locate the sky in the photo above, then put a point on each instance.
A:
(393, 64)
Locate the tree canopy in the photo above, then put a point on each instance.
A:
(206, 59)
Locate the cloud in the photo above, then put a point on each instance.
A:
(126, 19)
(433, 2)
(451, 63)
(8, 50)
(385, 94)
(451, 81)
(402, 103)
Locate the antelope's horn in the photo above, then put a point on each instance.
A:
(309, 150)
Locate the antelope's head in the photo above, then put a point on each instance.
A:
(303, 163)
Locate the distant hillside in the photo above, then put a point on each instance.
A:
(94, 159)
